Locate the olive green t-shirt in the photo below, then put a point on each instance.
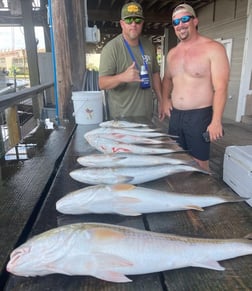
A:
(128, 99)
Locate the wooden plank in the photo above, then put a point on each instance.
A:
(24, 186)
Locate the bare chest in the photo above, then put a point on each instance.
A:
(191, 62)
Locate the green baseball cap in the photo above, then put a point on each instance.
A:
(132, 9)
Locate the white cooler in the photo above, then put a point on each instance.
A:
(237, 170)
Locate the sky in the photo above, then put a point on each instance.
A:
(12, 38)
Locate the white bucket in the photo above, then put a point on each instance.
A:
(87, 107)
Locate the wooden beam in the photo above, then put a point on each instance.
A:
(31, 51)
(74, 10)
(62, 55)
(108, 15)
(16, 97)
(13, 125)
(6, 19)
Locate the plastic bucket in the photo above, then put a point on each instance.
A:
(88, 107)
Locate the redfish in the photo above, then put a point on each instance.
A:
(121, 124)
(131, 175)
(127, 199)
(128, 160)
(127, 131)
(111, 252)
(108, 146)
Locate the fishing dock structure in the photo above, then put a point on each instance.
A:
(31, 187)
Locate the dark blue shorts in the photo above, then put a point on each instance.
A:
(189, 126)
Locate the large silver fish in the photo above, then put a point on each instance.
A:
(127, 160)
(127, 199)
(111, 252)
(108, 146)
(121, 124)
(134, 139)
(131, 175)
(126, 131)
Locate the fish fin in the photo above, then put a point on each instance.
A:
(103, 234)
(123, 187)
(214, 265)
(108, 260)
(112, 276)
(115, 157)
(195, 207)
(105, 261)
(126, 200)
(127, 211)
(122, 205)
(124, 179)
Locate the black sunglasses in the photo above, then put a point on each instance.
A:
(130, 20)
(183, 19)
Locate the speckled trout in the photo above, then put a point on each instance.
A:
(131, 175)
(111, 252)
(128, 160)
(127, 199)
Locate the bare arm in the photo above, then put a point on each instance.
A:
(220, 78)
(166, 92)
(110, 82)
(157, 88)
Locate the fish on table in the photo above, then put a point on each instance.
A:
(131, 175)
(134, 139)
(128, 131)
(128, 160)
(121, 124)
(127, 199)
(111, 252)
(107, 146)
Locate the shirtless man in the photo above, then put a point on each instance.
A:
(194, 86)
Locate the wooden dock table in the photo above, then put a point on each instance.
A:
(24, 183)
(230, 220)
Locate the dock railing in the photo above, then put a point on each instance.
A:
(12, 127)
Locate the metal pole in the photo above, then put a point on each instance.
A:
(53, 60)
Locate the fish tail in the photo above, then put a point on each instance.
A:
(195, 165)
(249, 236)
(229, 196)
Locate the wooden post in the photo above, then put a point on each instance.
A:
(13, 125)
(43, 5)
(2, 149)
(62, 55)
(76, 41)
(68, 22)
(31, 50)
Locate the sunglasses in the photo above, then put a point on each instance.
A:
(183, 19)
(135, 19)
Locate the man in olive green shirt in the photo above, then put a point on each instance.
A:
(120, 63)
